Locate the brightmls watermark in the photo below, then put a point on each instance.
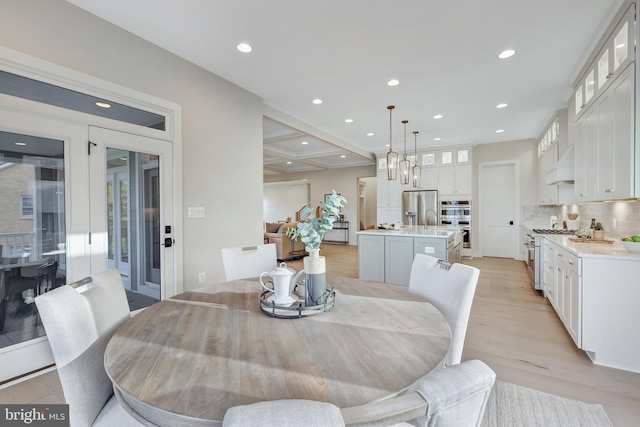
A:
(34, 415)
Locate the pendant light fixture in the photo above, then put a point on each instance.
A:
(417, 170)
(405, 165)
(392, 156)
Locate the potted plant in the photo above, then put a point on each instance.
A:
(598, 231)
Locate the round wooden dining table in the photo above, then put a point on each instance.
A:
(187, 359)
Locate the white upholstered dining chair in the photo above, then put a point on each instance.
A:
(248, 261)
(284, 413)
(451, 291)
(79, 319)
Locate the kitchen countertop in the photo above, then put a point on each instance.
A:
(416, 231)
(595, 250)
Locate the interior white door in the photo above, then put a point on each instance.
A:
(132, 210)
(498, 209)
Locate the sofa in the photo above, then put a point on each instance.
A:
(286, 249)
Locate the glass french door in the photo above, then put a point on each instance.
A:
(134, 202)
(43, 235)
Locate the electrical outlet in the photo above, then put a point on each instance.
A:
(202, 277)
(429, 250)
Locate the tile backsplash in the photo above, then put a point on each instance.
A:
(619, 219)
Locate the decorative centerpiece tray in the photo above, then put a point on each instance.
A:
(297, 309)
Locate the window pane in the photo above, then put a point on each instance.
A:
(23, 87)
(32, 230)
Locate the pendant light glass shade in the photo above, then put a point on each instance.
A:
(405, 165)
(392, 156)
(417, 170)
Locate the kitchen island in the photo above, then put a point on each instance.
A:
(387, 255)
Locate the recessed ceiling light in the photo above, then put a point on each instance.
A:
(506, 54)
(370, 133)
(289, 163)
(438, 116)
(342, 156)
(103, 105)
(502, 105)
(348, 120)
(500, 131)
(244, 47)
(21, 143)
(317, 101)
(437, 138)
(304, 143)
(393, 82)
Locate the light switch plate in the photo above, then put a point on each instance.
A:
(196, 213)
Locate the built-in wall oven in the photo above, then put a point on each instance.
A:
(457, 213)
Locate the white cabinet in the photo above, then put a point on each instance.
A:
(610, 61)
(547, 193)
(454, 180)
(549, 254)
(389, 199)
(604, 145)
(615, 145)
(431, 246)
(585, 157)
(563, 287)
(569, 290)
(387, 258)
(398, 258)
(371, 257)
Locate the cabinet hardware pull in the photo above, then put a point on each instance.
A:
(609, 190)
(583, 195)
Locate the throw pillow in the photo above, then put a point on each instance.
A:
(272, 227)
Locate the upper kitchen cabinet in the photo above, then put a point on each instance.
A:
(454, 173)
(555, 162)
(607, 63)
(615, 144)
(607, 161)
(454, 180)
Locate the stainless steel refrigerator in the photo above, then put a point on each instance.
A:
(420, 207)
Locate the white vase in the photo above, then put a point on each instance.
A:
(315, 278)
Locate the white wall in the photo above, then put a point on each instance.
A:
(283, 200)
(343, 180)
(221, 129)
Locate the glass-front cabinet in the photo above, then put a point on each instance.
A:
(609, 63)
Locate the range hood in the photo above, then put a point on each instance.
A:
(564, 170)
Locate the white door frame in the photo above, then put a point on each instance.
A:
(481, 200)
(36, 353)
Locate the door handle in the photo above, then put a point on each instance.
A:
(510, 222)
(168, 242)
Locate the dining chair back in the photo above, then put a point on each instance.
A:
(248, 261)
(284, 413)
(451, 291)
(456, 396)
(79, 320)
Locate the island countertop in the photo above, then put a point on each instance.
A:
(415, 231)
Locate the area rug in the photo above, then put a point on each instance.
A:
(524, 407)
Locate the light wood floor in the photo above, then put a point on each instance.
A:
(512, 328)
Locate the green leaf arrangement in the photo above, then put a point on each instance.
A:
(312, 231)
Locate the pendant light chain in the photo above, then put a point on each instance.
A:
(392, 156)
(417, 170)
(405, 165)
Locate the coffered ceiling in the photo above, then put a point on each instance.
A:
(443, 53)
